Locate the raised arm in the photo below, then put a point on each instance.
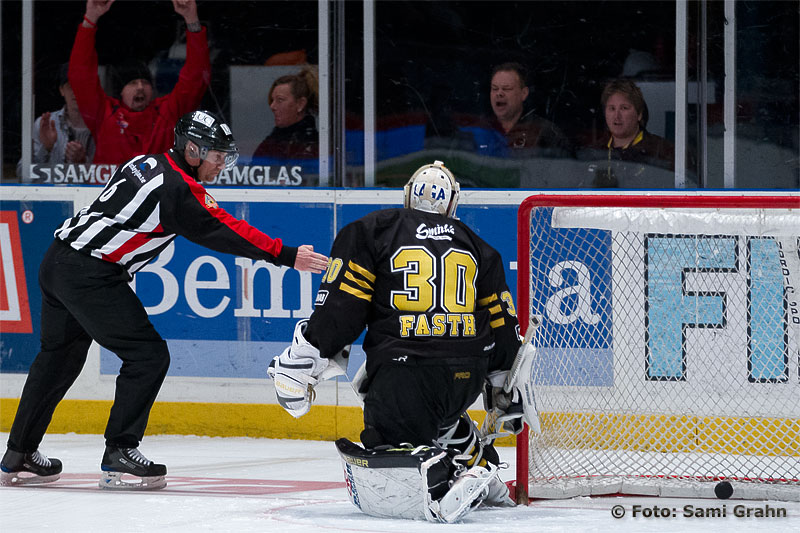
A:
(188, 10)
(195, 75)
(83, 76)
(94, 10)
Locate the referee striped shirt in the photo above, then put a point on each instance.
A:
(147, 203)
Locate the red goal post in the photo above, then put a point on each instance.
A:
(668, 355)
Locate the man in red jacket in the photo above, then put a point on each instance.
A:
(136, 123)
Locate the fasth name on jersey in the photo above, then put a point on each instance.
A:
(438, 325)
(439, 232)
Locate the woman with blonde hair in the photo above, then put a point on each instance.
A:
(294, 102)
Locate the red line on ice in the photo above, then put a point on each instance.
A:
(206, 485)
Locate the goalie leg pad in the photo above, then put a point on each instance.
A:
(464, 439)
(395, 482)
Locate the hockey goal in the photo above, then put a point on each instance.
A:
(668, 351)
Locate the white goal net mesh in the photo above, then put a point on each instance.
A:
(667, 355)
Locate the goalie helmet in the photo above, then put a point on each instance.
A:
(433, 189)
(208, 132)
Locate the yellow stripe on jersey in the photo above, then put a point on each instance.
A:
(361, 270)
(360, 282)
(494, 310)
(486, 301)
(355, 292)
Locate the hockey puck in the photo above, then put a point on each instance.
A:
(723, 490)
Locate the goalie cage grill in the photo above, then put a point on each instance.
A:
(667, 358)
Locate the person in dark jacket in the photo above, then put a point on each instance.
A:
(84, 276)
(293, 100)
(633, 156)
(511, 130)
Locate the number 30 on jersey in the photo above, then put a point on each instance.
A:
(446, 284)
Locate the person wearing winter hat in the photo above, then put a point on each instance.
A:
(135, 121)
(133, 84)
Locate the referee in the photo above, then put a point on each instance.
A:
(85, 295)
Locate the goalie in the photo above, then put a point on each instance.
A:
(441, 326)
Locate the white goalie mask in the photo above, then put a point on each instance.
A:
(433, 189)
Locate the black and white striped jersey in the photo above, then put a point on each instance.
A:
(147, 203)
(423, 284)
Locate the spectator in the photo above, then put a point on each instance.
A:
(515, 132)
(136, 122)
(62, 136)
(630, 155)
(84, 278)
(294, 101)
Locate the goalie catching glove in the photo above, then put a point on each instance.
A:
(504, 410)
(509, 398)
(297, 371)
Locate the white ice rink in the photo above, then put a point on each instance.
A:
(240, 485)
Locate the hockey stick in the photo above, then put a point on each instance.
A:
(338, 367)
(522, 355)
(523, 362)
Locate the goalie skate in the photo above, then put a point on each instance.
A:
(28, 468)
(468, 491)
(128, 469)
(498, 494)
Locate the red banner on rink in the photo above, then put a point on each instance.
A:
(15, 314)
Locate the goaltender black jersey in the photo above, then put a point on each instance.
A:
(423, 284)
(148, 202)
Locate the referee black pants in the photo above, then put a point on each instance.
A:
(85, 298)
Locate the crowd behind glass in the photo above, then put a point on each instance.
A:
(510, 94)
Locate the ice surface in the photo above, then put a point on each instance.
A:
(241, 485)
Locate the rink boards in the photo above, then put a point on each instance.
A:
(224, 317)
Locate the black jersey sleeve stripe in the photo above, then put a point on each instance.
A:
(497, 323)
(483, 302)
(355, 292)
(366, 285)
(361, 270)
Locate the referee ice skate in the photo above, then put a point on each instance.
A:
(85, 295)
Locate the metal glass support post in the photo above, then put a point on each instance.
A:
(702, 96)
(729, 139)
(323, 36)
(680, 94)
(338, 88)
(369, 93)
(27, 89)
